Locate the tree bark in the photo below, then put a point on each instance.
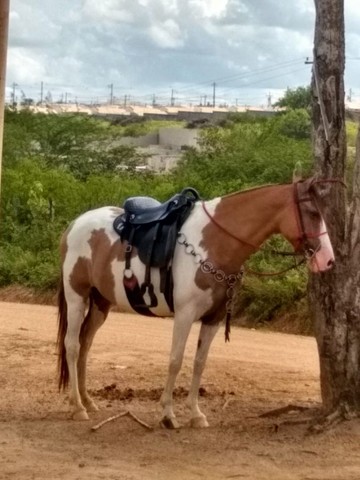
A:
(335, 295)
(4, 27)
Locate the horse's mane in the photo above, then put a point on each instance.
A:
(253, 189)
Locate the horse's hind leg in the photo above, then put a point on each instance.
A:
(206, 336)
(75, 317)
(98, 311)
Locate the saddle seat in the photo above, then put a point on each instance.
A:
(143, 210)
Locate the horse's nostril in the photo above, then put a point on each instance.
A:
(331, 262)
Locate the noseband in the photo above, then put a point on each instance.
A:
(304, 236)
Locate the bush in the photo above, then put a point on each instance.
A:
(51, 175)
(23, 267)
(271, 286)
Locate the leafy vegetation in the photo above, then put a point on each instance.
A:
(298, 98)
(56, 167)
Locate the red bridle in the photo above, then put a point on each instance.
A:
(304, 236)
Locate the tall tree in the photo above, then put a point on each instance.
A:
(335, 295)
(4, 27)
(299, 97)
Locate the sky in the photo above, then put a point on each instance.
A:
(167, 50)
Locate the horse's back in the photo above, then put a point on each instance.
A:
(80, 231)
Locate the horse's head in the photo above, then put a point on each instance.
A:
(310, 234)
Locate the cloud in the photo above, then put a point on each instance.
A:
(144, 46)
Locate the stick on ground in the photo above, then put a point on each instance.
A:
(137, 419)
(280, 411)
(110, 419)
(122, 414)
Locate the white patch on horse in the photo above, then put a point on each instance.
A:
(324, 258)
(185, 265)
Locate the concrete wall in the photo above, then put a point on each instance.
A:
(177, 137)
(173, 138)
(142, 141)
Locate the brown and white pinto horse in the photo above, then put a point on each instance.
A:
(224, 231)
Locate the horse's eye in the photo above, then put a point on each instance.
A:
(314, 215)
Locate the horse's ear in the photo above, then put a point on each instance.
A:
(297, 172)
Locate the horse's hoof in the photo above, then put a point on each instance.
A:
(199, 422)
(91, 406)
(169, 423)
(80, 415)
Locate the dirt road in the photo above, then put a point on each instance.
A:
(255, 373)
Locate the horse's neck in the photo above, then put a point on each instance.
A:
(247, 220)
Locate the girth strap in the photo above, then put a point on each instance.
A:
(131, 285)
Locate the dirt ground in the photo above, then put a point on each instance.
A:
(253, 374)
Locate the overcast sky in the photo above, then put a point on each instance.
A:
(249, 48)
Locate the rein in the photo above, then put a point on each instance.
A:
(224, 229)
(240, 240)
(308, 252)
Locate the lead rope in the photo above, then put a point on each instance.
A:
(219, 275)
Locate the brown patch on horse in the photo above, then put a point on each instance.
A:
(205, 281)
(227, 250)
(102, 304)
(79, 278)
(221, 245)
(85, 271)
(103, 254)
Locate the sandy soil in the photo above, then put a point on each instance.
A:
(255, 373)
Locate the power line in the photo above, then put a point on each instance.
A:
(243, 75)
(185, 94)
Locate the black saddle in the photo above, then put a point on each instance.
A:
(144, 210)
(152, 228)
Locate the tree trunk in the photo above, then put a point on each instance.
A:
(4, 27)
(335, 295)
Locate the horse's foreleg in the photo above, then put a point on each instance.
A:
(95, 318)
(181, 330)
(206, 336)
(75, 317)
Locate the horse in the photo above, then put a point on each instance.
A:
(214, 241)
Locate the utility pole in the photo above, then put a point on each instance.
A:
(4, 27)
(14, 85)
(42, 92)
(269, 97)
(214, 90)
(111, 86)
(172, 99)
(201, 99)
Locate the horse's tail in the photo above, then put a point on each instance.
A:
(63, 370)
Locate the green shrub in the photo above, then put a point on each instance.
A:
(56, 168)
(23, 267)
